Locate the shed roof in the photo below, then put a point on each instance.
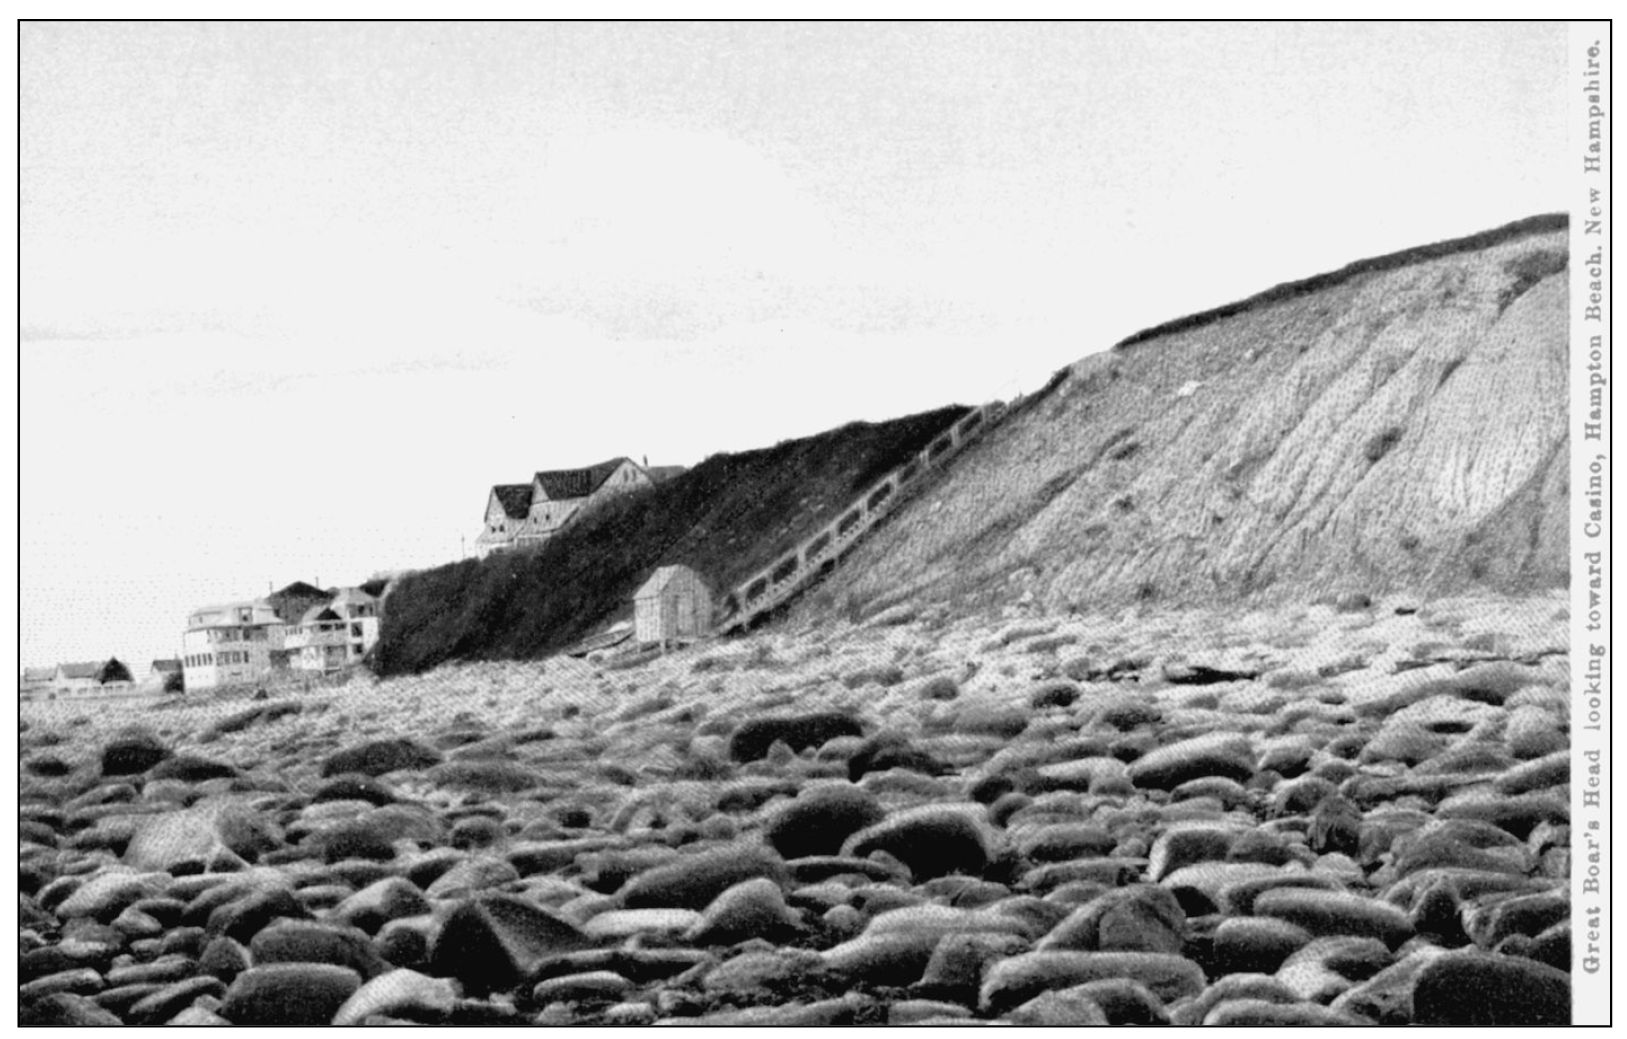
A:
(166, 666)
(319, 612)
(38, 674)
(564, 484)
(659, 580)
(515, 499)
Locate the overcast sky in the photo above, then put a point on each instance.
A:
(293, 297)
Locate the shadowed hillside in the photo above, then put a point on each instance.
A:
(1399, 425)
(726, 518)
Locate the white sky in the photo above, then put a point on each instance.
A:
(293, 297)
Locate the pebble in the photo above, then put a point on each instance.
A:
(931, 840)
(820, 818)
(692, 881)
(289, 995)
(1013, 981)
(492, 942)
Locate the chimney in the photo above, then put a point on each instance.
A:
(646, 461)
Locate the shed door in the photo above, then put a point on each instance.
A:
(686, 614)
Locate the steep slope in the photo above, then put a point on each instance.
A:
(728, 517)
(1397, 425)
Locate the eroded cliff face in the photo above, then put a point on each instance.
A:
(1402, 428)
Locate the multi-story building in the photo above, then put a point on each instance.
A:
(336, 635)
(236, 643)
(521, 515)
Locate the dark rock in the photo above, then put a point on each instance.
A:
(377, 757)
(355, 839)
(1060, 1008)
(397, 992)
(242, 919)
(1527, 915)
(938, 687)
(1012, 982)
(895, 959)
(1109, 872)
(885, 675)
(380, 902)
(104, 896)
(170, 1000)
(1217, 754)
(750, 742)
(820, 819)
(1186, 844)
(752, 908)
(932, 841)
(692, 881)
(1548, 771)
(816, 868)
(1124, 1002)
(1063, 842)
(1552, 947)
(354, 786)
(289, 995)
(888, 751)
(598, 986)
(224, 958)
(1336, 826)
(190, 768)
(1458, 844)
(1140, 918)
(1260, 1013)
(164, 970)
(486, 776)
(1335, 913)
(48, 765)
(65, 1010)
(987, 719)
(121, 998)
(81, 980)
(956, 965)
(493, 942)
(477, 832)
(1480, 990)
(308, 941)
(37, 963)
(1327, 967)
(1255, 945)
(243, 719)
(1202, 674)
(132, 752)
(748, 795)
(1056, 693)
(1518, 814)
(472, 876)
(405, 942)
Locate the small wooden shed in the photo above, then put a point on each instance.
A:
(675, 603)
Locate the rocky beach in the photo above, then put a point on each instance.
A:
(1351, 811)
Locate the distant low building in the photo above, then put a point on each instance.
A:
(673, 605)
(521, 515)
(237, 643)
(164, 675)
(92, 678)
(36, 682)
